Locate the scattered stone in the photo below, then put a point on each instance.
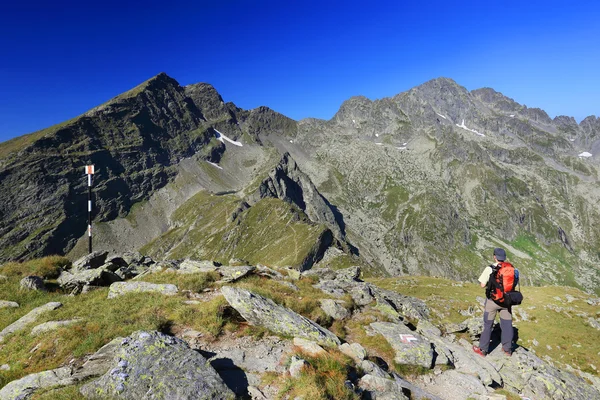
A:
(290, 285)
(121, 288)
(369, 367)
(360, 293)
(268, 272)
(381, 388)
(4, 367)
(594, 323)
(399, 306)
(309, 347)
(321, 273)
(52, 325)
(188, 266)
(234, 273)
(535, 342)
(348, 274)
(331, 287)
(354, 351)
(473, 325)
(8, 304)
(410, 347)
(87, 277)
(570, 298)
(92, 261)
(454, 385)
(296, 366)
(428, 329)
(593, 301)
(32, 283)
(480, 300)
(25, 387)
(151, 365)
(334, 308)
(255, 393)
(28, 318)
(294, 274)
(258, 310)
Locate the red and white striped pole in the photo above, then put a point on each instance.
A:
(89, 170)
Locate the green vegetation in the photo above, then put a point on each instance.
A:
(322, 379)
(270, 232)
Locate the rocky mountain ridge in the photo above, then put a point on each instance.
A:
(426, 181)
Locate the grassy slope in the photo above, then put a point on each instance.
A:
(271, 232)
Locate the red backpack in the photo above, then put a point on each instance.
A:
(502, 280)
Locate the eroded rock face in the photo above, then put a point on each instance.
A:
(260, 311)
(151, 365)
(32, 283)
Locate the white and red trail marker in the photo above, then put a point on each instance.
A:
(408, 338)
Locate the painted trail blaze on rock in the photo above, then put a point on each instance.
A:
(152, 365)
(258, 310)
(411, 348)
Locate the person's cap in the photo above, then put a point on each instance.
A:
(500, 254)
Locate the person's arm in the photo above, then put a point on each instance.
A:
(485, 276)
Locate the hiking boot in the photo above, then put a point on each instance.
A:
(479, 351)
(507, 353)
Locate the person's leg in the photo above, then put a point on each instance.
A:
(489, 315)
(507, 329)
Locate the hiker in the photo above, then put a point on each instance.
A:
(494, 303)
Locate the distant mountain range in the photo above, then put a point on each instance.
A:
(426, 182)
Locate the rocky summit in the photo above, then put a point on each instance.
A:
(343, 248)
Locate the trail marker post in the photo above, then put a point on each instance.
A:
(89, 170)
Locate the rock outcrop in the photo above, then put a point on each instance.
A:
(28, 318)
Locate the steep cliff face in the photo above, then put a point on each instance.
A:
(134, 140)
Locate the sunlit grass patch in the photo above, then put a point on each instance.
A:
(323, 378)
(46, 267)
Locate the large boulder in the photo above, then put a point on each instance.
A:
(399, 306)
(32, 283)
(76, 280)
(152, 365)
(410, 347)
(335, 308)
(260, 311)
(120, 288)
(234, 273)
(93, 260)
(28, 318)
(188, 266)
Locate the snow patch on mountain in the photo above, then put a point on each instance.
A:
(222, 138)
(462, 125)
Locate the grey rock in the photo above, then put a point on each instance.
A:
(410, 347)
(152, 365)
(308, 346)
(268, 272)
(4, 367)
(594, 323)
(397, 305)
(99, 362)
(33, 283)
(473, 325)
(415, 391)
(93, 260)
(255, 393)
(334, 308)
(292, 273)
(354, 351)
(237, 262)
(52, 325)
(296, 366)
(360, 293)
(381, 388)
(331, 287)
(188, 266)
(258, 310)
(426, 328)
(28, 318)
(369, 367)
(8, 304)
(321, 273)
(121, 288)
(454, 385)
(87, 277)
(350, 274)
(25, 387)
(234, 273)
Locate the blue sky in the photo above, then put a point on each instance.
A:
(303, 59)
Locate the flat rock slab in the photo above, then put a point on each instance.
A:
(232, 274)
(188, 266)
(260, 311)
(152, 365)
(411, 348)
(454, 385)
(52, 326)
(8, 304)
(381, 388)
(335, 308)
(93, 260)
(309, 347)
(25, 387)
(28, 318)
(121, 288)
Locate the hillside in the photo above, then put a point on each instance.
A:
(265, 333)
